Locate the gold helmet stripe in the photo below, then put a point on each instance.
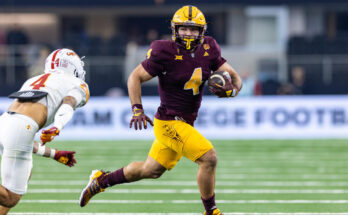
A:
(190, 12)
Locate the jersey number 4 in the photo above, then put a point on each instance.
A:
(40, 82)
(195, 81)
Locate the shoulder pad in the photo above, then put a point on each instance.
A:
(159, 47)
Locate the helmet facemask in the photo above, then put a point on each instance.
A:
(188, 16)
(189, 42)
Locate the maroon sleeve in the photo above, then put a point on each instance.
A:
(153, 63)
(217, 61)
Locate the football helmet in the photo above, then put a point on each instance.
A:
(65, 61)
(188, 16)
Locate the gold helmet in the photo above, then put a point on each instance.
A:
(188, 16)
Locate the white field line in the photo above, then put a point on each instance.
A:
(191, 191)
(244, 170)
(227, 213)
(225, 177)
(45, 201)
(219, 183)
(246, 176)
(282, 176)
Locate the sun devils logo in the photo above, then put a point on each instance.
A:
(206, 46)
(172, 133)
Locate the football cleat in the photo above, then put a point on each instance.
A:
(92, 187)
(215, 212)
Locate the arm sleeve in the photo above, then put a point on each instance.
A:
(153, 64)
(217, 61)
(63, 116)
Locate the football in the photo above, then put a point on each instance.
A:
(218, 78)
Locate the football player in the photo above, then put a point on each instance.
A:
(182, 66)
(42, 100)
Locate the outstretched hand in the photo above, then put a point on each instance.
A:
(139, 118)
(65, 157)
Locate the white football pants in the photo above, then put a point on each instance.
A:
(17, 133)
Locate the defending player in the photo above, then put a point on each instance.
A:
(41, 101)
(182, 66)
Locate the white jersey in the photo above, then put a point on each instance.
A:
(58, 86)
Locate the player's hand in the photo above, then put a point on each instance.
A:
(139, 118)
(65, 157)
(228, 90)
(48, 135)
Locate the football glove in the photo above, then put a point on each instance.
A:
(49, 134)
(65, 157)
(139, 118)
(228, 90)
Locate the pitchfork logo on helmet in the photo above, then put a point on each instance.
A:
(188, 16)
(65, 61)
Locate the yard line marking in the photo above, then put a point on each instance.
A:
(191, 191)
(264, 201)
(95, 201)
(281, 176)
(44, 201)
(227, 213)
(222, 175)
(219, 183)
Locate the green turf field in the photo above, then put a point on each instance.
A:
(253, 177)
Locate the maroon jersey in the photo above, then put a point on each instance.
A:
(182, 75)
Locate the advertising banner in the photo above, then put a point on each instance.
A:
(287, 117)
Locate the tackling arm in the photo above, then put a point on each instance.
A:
(62, 117)
(65, 112)
(64, 157)
(43, 151)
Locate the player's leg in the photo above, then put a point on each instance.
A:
(16, 138)
(206, 181)
(198, 149)
(4, 210)
(14, 198)
(7, 198)
(206, 173)
(160, 159)
(186, 140)
(134, 171)
(139, 170)
(3, 191)
(154, 166)
(15, 172)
